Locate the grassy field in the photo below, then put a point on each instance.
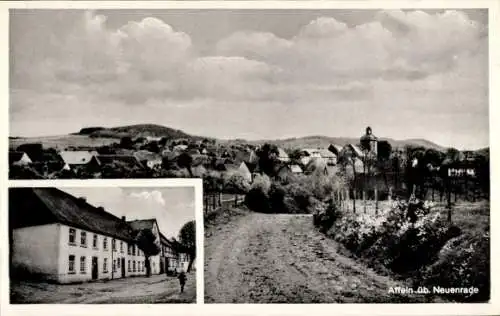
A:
(63, 141)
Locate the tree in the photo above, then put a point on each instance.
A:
(384, 150)
(452, 153)
(152, 147)
(146, 241)
(268, 158)
(187, 238)
(295, 156)
(163, 141)
(235, 182)
(185, 160)
(126, 142)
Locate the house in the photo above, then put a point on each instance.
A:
(335, 149)
(58, 237)
(316, 164)
(351, 150)
(241, 169)
(153, 138)
(283, 171)
(182, 261)
(19, 158)
(129, 161)
(148, 159)
(283, 156)
(168, 256)
(151, 225)
(307, 154)
(319, 153)
(49, 163)
(296, 169)
(81, 160)
(180, 147)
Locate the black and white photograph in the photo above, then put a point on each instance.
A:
(102, 245)
(344, 154)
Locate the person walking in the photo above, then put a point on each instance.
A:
(182, 280)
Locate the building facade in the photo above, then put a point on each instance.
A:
(58, 237)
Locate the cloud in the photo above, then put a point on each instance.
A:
(89, 70)
(152, 196)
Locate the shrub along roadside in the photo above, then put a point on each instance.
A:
(414, 242)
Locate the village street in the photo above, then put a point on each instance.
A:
(132, 290)
(272, 258)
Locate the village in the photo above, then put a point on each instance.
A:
(232, 166)
(60, 242)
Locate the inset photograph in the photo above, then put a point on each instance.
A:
(102, 245)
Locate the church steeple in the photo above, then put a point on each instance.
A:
(369, 142)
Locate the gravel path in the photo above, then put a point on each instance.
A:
(132, 290)
(281, 258)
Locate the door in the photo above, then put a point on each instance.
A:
(166, 266)
(123, 267)
(95, 267)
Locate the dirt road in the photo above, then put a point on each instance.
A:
(273, 258)
(133, 290)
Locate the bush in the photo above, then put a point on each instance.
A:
(462, 262)
(257, 201)
(403, 239)
(325, 215)
(262, 182)
(277, 199)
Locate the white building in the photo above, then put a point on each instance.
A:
(58, 237)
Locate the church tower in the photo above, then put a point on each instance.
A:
(369, 143)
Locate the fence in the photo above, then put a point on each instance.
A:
(212, 201)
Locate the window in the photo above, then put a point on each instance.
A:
(121, 246)
(128, 250)
(129, 266)
(105, 243)
(114, 244)
(114, 265)
(83, 267)
(133, 267)
(72, 236)
(133, 250)
(94, 241)
(71, 264)
(83, 239)
(105, 265)
(118, 263)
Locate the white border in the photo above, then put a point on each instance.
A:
(249, 309)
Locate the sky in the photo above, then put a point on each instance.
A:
(172, 207)
(253, 74)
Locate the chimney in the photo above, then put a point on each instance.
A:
(124, 218)
(100, 208)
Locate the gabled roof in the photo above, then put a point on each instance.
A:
(325, 153)
(356, 150)
(77, 157)
(15, 156)
(140, 224)
(336, 149)
(314, 164)
(146, 155)
(295, 168)
(282, 153)
(37, 206)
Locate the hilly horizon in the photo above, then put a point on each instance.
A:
(155, 130)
